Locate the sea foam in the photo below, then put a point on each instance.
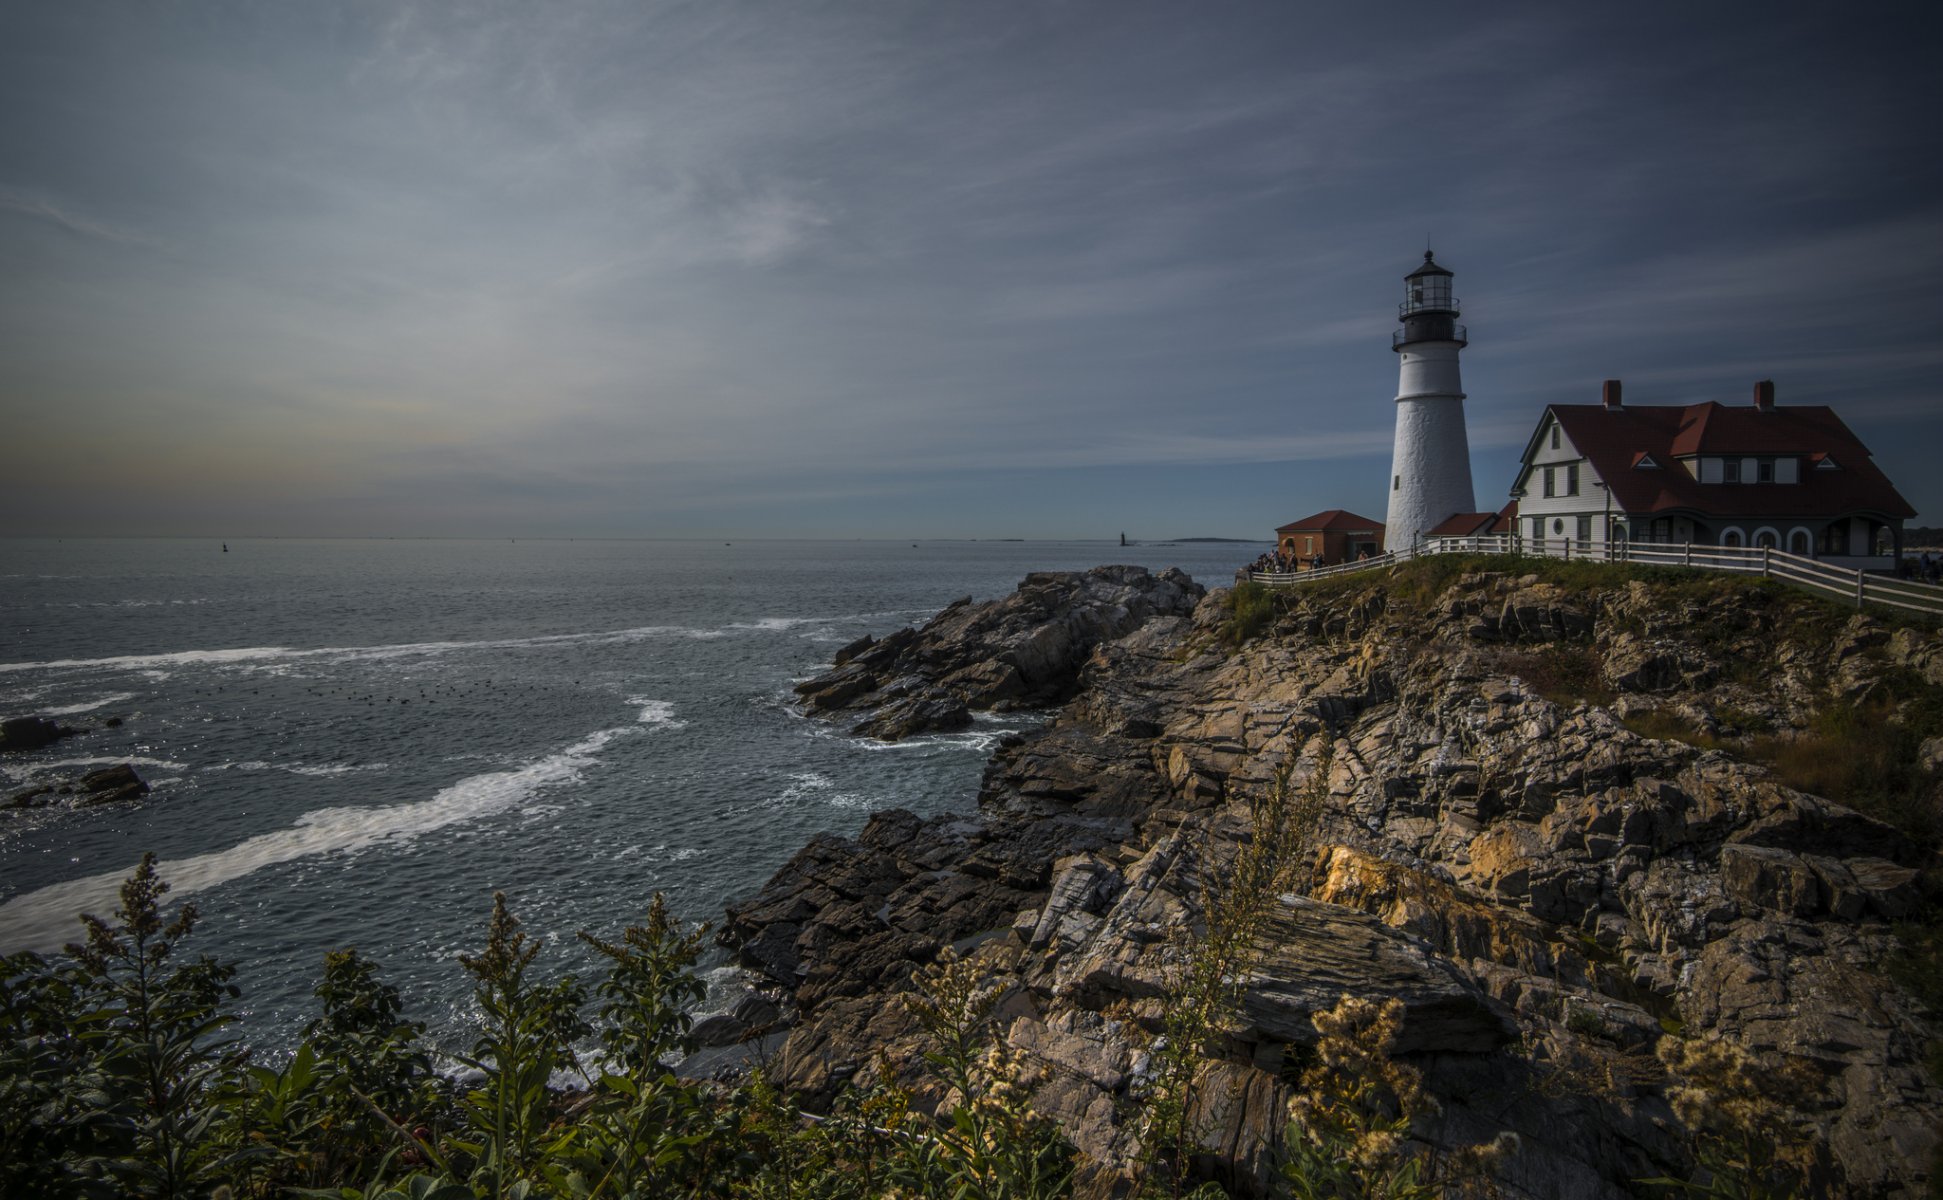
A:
(45, 918)
(247, 655)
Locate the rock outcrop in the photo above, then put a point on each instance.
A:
(1021, 651)
(1549, 891)
(31, 733)
(109, 785)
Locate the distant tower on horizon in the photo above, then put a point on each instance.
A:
(1430, 472)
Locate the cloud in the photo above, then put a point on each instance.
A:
(765, 229)
(502, 255)
(51, 212)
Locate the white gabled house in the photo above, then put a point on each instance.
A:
(1794, 479)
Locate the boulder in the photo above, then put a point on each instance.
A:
(31, 733)
(1765, 877)
(1312, 954)
(1021, 650)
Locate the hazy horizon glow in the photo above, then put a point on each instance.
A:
(835, 269)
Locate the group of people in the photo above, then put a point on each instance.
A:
(1283, 560)
(1924, 568)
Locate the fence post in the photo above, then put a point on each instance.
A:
(1686, 554)
(1858, 587)
(1764, 562)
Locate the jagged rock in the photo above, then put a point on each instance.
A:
(31, 733)
(1762, 877)
(1516, 867)
(932, 711)
(109, 785)
(1311, 955)
(1024, 649)
(752, 1014)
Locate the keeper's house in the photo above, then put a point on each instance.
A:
(1793, 479)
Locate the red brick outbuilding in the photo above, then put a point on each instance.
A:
(1336, 535)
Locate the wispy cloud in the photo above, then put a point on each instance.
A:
(631, 264)
(46, 210)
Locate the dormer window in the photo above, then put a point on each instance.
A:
(1731, 471)
(1826, 462)
(1555, 436)
(1764, 471)
(1646, 462)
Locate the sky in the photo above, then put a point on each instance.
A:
(886, 269)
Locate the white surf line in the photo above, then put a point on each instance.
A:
(249, 654)
(46, 919)
(68, 710)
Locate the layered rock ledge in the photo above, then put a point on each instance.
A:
(1548, 890)
(1022, 651)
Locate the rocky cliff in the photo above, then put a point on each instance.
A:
(1559, 825)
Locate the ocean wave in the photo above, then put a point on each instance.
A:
(26, 770)
(43, 919)
(660, 713)
(86, 706)
(317, 770)
(983, 741)
(261, 654)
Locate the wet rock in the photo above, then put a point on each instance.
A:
(31, 733)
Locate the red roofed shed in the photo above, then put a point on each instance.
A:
(1336, 535)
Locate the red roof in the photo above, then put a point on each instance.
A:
(1615, 440)
(1463, 525)
(1505, 520)
(1333, 520)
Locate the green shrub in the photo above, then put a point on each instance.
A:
(1251, 607)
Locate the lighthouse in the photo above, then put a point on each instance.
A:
(1430, 472)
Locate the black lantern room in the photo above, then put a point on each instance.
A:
(1429, 311)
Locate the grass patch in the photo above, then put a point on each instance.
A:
(1251, 608)
(1562, 673)
(1861, 757)
(1666, 727)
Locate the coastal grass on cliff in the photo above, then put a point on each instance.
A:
(1214, 961)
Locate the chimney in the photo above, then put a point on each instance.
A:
(1609, 394)
(1764, 396)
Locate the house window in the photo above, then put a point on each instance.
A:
(1308, 545)
(1765, 471)
(1558, 525)
(1584, 531)
(1732, 469)
(1551, 487)
(1554, 437)
(1572, 479)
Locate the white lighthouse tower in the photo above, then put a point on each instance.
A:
(1430, 474)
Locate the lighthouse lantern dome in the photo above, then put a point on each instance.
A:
(1427, 289)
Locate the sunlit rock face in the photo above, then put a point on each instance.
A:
(1548, 890)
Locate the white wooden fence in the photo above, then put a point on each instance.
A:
(1852, 586)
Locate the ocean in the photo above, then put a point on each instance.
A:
(356, 742)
